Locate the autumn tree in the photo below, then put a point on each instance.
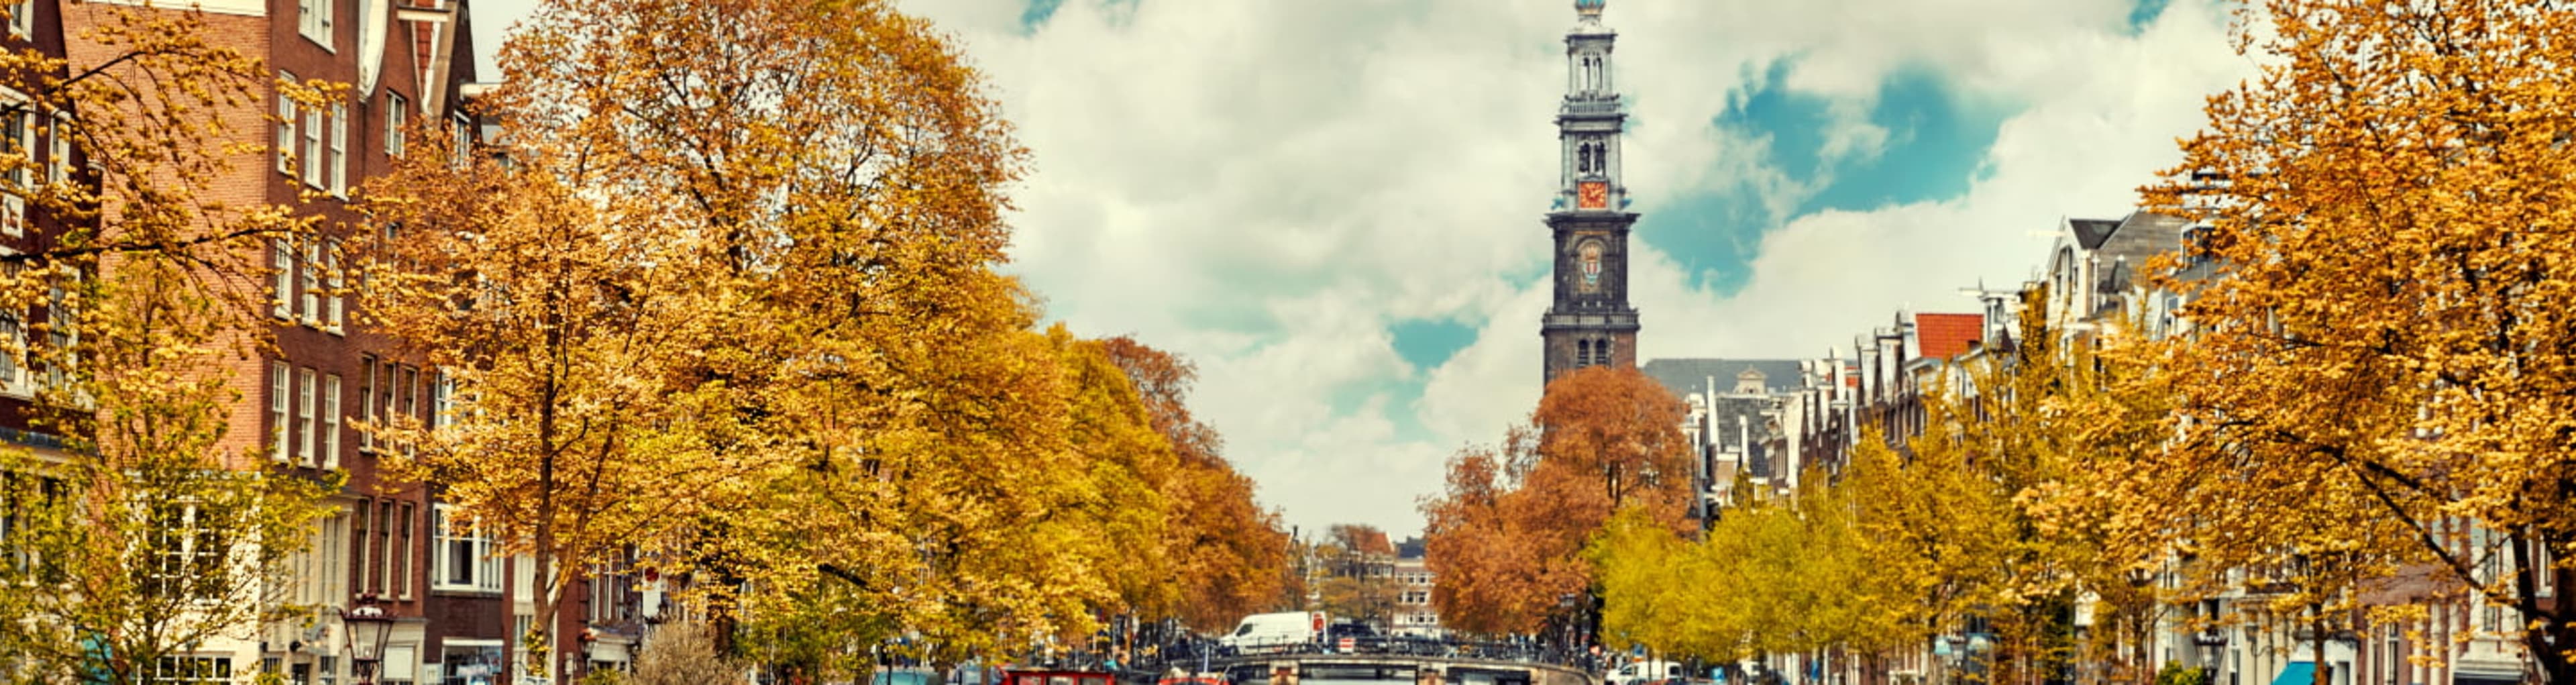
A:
(1508, 533)
(138, 530)
(775, 226)
(1231, 557)
(1358, 578)
(2388, 343)
(558, 328)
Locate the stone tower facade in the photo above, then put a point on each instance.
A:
(1589, 322)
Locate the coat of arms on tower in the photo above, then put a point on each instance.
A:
(1590, 256)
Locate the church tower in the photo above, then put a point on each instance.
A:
(1589, 323)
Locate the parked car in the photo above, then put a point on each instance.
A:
(1363, 637)
(1646, 673)
(1270, 633)
(903, 676)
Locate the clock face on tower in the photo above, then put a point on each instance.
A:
(1592, 195)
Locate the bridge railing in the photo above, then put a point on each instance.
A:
(1191, 655)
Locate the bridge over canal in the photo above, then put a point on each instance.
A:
(1420, 669)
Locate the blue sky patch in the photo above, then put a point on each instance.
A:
(2144, 13)
(1426, 343)
(1936, 145)
(1037, 13)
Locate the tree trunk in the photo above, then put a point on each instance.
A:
(2317, 645)
(2547, 633)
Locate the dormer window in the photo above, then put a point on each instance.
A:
(2195, 245)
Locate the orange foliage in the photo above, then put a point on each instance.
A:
(1508, 536)
(1229, 552)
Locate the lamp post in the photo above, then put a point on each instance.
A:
(368, 624)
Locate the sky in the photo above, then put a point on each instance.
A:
(1333, 207)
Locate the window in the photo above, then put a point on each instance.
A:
(23, 497)
(281, 278)
(22, 18)
(463, 140)
(398, 571)
(61, 333)
(334, 300)
(361, 525)
(313, 19)
(309, 275)
(312, 155)
(410, 395)
(187, 552)
(460, 555)
(439, 391)
(465, 662)
(18, 132)
(381, 577)
(367, 402)
(401, 665)
(323, 584)
(285, 127)
(191, 670)
(304, 417)
(278, 386)
(339, 150)
(331, 421)
(2546, 585)
(58, 157)
(395, 113)
(13, 347)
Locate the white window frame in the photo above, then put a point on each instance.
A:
(19, 130)
(14, 354)
(313, 20)
(367, 389)
(192, 670)
(324, 577)
(441, 392)
(334, 301)
(312, 154)
(463, 137)
(280, 385)
(58, 148)
(482, 570)
(62, 335)
(339, 159)
(331, 421)
(309, 276)
(281, 279)
(286, 117)
(22, 19)
(177, 547)
(304, 417)
(396, 113)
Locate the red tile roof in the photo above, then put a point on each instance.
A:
(1946, 336)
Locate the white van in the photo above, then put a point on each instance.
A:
(1646, 672)
(1280, 632)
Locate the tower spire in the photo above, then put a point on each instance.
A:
(1590, 322)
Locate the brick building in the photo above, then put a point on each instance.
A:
(406, 65)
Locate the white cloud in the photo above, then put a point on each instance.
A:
(1268, 186)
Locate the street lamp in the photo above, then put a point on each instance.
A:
(367, 626)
